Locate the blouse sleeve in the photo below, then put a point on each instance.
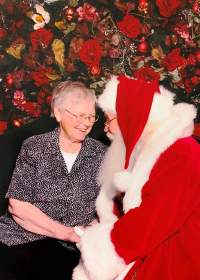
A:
(23, 179)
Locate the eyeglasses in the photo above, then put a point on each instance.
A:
(108, 121)
(82, 117)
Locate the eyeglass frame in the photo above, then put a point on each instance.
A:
(81, 117)
(107, 122)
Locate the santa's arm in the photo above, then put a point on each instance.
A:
(163, 211)
(160, 215)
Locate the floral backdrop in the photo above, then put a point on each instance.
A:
(44, 42)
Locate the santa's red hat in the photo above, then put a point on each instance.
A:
(131, 100)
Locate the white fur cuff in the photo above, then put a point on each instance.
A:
(98, 254)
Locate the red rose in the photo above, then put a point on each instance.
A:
(169, 7)
(3, 126)
(173, 60)
(3, 33)
(147, 74)
(40, 38)
(31, 108)
(130, 26)
(90, 53)
(40, 78)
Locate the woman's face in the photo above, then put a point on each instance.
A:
(111, 124)
(76, 118)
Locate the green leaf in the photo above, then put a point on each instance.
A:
(70, 28)
(73, 3)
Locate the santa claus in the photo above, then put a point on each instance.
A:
(155, 162)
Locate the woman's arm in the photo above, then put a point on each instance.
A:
(34, 220)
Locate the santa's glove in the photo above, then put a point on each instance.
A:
(79, 273)
(98, 253)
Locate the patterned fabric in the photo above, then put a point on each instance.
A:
(41, 178)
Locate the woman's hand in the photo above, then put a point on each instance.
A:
(34, 220)
(70, 235)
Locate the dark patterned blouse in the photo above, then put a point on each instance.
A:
(41, 178)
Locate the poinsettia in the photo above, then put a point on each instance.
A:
(40, 38)
(147, 74)
(169, 7)
(130, 26)
(91, 53)
(174, 60)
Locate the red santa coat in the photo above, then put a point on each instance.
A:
(162, 234)
(160, 228)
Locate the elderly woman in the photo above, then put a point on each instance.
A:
(53, 190)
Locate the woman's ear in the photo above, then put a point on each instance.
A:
(57, 114)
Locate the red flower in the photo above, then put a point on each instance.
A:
(169, 7)
(18, 98)
(173, 60)
(3, 33)
(3, 126)
(87, 12)
(188, 86)
(9, 7)
(24, 6)
(31, 58)
(90, 53)
(191, 83)
(147, 74)
(191, 60)
(130, 26)
(197, 129)
(195, 80)
(16, 25)
(197, 72)
(40, 78)
(43, 97)
(31, 108)
(40, 38)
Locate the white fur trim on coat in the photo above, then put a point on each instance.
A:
(109, 166)
(107, 99)
(98, 254)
